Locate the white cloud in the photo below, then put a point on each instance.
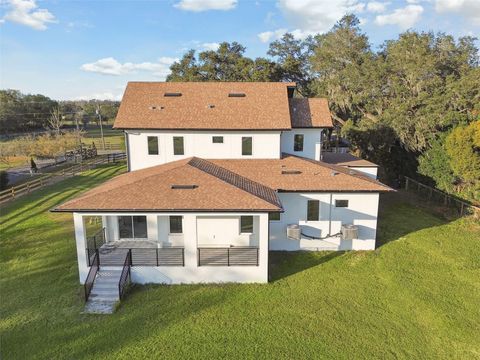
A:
(468, 8)
(204, 5)
(26, 12)
(377, 7)
(403, 17)
(269, 35)
(108, 95)
(110, 66)
(210, 46)
(309, 17)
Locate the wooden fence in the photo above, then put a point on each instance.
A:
(46, 179)
(441, 198)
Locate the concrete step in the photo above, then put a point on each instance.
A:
(94, 297)
(99, 307)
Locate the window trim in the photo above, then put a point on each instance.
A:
(295, 143)
(183, 145)
(217, 138)
(338, 206)
(242, 217)
(251, 146)
(318, 209)
(170, 225)
(157, 147)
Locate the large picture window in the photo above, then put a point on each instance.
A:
(247, 145)
(178, 148)
(152, 145)
(132, 227)
(313, 210)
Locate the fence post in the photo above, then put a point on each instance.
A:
(157, 256)
(13, 192)
(228, 256)
(461, 210)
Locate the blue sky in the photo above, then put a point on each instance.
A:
(90, 49)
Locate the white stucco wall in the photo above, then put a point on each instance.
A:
(192, 222)
(311, 142)
(266, 145)
(362, 211)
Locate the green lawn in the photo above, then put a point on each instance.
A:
(417, 296)
(111, 136)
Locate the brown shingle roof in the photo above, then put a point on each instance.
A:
(310, 113)
(346, 159)
(222, 185)
(151, 190)
(264, 106)
(313, 175)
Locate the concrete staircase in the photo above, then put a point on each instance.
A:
(104, 295)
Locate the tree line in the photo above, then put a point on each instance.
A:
(412, 106)
(33, 112)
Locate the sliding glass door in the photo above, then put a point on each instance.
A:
(132, 227)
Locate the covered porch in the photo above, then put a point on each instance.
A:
(184, 247)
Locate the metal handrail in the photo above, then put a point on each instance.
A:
(92, 273)
(125, 277)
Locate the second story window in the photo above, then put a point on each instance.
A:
(152, 145)
(217, 139)
(298, 142)
(247, 145)
(178, 145)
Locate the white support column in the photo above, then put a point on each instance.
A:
(81, 246)
(152, 227)
(190, 240)
(263, 246)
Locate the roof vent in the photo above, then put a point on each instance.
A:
(184, 187)
(172, 94)
(291, 172)
(157, 107)
(210, 106)
(153, 107)
(334, 173)
(237, 95)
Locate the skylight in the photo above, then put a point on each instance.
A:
(172, 94)
(237, 95)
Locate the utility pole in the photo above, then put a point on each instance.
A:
(101, 125)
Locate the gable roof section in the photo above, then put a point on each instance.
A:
(151, 190)
(296, 174)
(310, 113)
(205, 106)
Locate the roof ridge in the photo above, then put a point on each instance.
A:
(356, 174)
(252, 187)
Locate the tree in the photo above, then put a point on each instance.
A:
(463, 148)
(292, 56)
(56, 120)
(227, 63)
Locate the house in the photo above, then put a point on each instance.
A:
(218, 175)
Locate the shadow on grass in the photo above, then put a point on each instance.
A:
(285, 263)
(399, 216)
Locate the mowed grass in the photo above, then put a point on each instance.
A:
(111, 136)
(416, 296)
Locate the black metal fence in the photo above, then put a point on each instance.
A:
(229, 256)
(441, 198)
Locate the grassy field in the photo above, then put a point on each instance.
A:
(111, 136)
(416, 296)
